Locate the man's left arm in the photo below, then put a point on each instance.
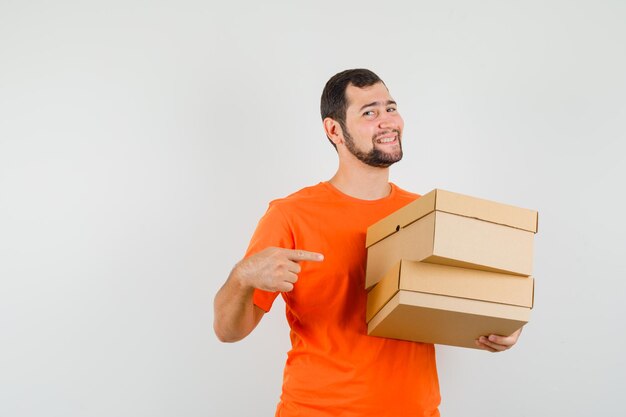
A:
(495, 343)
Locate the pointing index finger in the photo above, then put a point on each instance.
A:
(304, 255)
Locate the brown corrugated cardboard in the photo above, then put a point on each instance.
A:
(444, 320)
(453, 203)
(447, 305)
(453, 229)
(452, 282)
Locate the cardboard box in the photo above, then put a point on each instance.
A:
(453, 229)
(447, 305)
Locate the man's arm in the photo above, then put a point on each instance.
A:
(273, 269)
(235, 315)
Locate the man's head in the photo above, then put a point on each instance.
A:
(359, 113)
(334, 102)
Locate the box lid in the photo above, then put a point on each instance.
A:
(453, 203)
(453, 282)
(467, 283)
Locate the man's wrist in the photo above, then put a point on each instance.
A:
(241, 278)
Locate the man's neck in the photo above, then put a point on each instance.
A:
(362, 181)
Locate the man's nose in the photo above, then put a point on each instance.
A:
(390, 121)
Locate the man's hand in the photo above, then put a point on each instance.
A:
(495, 343)
(273, 269)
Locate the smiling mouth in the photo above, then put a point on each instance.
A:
(387, 139)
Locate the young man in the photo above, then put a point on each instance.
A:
(310, 248)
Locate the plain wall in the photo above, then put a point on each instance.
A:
(141, 141)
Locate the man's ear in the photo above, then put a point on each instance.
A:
(333, 131)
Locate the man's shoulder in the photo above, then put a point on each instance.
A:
(304, 195)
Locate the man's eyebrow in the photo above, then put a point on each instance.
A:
(377, 103)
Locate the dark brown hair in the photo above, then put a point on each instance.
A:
(334, 103)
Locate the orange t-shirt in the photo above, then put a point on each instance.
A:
(334, 368)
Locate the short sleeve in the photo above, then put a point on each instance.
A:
(272, 230)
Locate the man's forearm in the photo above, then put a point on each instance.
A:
(272, 269)
(235, 314)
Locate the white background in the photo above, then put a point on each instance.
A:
(140, 142)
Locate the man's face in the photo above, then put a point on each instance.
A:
(373, 128)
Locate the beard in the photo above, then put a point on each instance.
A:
(375, 157)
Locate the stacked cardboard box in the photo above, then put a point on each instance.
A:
(449, 268)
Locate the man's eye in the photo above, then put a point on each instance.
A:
(391, 109)
(369, 113)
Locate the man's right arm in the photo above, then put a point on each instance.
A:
(272, 269)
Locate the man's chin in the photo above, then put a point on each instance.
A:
(390, 163)
(383, 162)
(391, 158)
